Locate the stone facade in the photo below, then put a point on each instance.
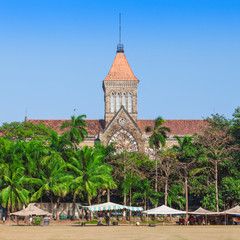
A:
(124, 132)
(122, 88)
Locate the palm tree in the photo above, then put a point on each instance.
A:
(32, 153)
(131, 181)
(146, 194)
(157, 139)
(77, 131)
(53, 180)
(12, 181)
(108, 152)
(91, 173)
(175, 196)
(187, 156)
(59, 144)
(5, 145)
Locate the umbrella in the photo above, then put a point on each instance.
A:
(31, 210)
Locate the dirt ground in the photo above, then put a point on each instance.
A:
(120, 232)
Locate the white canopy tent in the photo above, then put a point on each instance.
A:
(163, 210)
(232, 211)
(202, 211)
(109, 206)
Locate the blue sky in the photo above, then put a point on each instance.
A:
(54, 55)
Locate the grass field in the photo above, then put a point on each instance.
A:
(120, 232)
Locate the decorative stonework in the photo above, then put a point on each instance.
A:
(150, 152)
(122, 121)
(124, 132)
(124, 141)
(120, 84)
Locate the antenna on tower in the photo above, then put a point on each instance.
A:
(120, 45)
(120, 28)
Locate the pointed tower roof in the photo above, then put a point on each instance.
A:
(120, 70)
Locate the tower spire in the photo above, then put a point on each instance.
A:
(119, 28)
(120, 45)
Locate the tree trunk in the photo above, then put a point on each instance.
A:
(145, 202)
(165, 197)
(41, 203)
(8, 211)
(130, 204)
(58, 206)
(51, 205)
(83, 214)
(75, 147)
(74, 207)
(108, 195)
(156, 180)
(124, 196)
(186, 196)
(216, 185)
(166, 192)
(124, 211)
(89, 202)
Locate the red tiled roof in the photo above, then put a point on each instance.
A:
(177, 127)
(94, 127)
(2, 135)
(120, 70)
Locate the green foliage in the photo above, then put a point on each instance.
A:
(35, 163)
(90, 172)
(107, 151)
(217, 122)
(209, 199)
(25, 131)
(12, 182)
(77, 131)
(145, 193)
(230, 191)
(235, 125)
(53, 178)
(175, 196)
(159, 135)
(37, 221)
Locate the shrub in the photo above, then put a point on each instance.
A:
(37, 220)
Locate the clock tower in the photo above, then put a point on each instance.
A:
(120, 96)
(120, 88)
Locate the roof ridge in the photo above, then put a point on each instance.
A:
(35, 119)
(172, 119)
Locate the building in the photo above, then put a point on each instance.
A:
(121, 124)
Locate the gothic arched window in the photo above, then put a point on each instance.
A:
(112, 102)
(118, 101)
(124, 100)
(129, 102)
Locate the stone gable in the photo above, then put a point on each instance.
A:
(124, 132)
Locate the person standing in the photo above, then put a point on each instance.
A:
(107, 220)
